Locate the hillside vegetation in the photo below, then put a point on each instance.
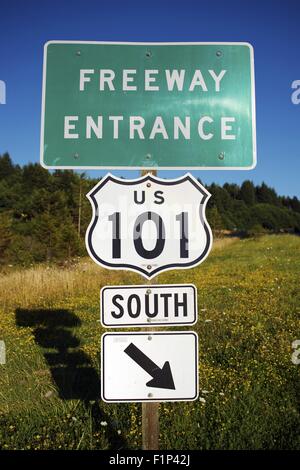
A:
(44, 216)
(248, 300)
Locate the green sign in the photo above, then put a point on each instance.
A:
(148, 105)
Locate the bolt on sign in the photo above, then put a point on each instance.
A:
(149, 366)
(148, 225)
(148, 105)
(159, 305)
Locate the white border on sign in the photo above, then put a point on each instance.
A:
(251, 167)
(153, 322)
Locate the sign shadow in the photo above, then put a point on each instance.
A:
(72, 370)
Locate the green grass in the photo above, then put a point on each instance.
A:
(249, 310)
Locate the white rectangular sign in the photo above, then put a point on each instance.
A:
(137, 367)
(148, 306)
(148, 105)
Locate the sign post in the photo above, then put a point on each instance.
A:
(150, 411)
(150, 426)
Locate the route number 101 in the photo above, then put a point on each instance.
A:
(139, 246)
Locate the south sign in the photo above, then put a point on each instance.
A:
(148, 306)
(148, 225)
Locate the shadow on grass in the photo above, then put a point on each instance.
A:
(71, 369)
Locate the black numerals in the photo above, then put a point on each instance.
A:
(160, 242)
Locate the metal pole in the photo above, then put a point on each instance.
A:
(150, 411)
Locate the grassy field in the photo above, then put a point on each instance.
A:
(249, 310)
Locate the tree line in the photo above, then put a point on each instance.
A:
(44, 215)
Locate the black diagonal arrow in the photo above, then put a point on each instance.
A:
(161, 378)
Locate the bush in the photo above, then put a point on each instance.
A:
(257, 230)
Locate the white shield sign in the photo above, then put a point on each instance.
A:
(149, 224)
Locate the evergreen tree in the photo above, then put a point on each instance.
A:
(266, 195)
(220, 198)
(67, 241)
(232, 189)
(215, 221)
(45, 230)
(35, 176)
(5, 235)
(7, 168)
(295, 204)
(247, 193)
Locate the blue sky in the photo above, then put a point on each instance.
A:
(271, 26)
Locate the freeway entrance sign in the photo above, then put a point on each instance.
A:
(149, 366)
(148, 105)
(149, 306)
(148, 225)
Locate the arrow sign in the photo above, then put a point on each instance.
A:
(161, 378)
(128, 358)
